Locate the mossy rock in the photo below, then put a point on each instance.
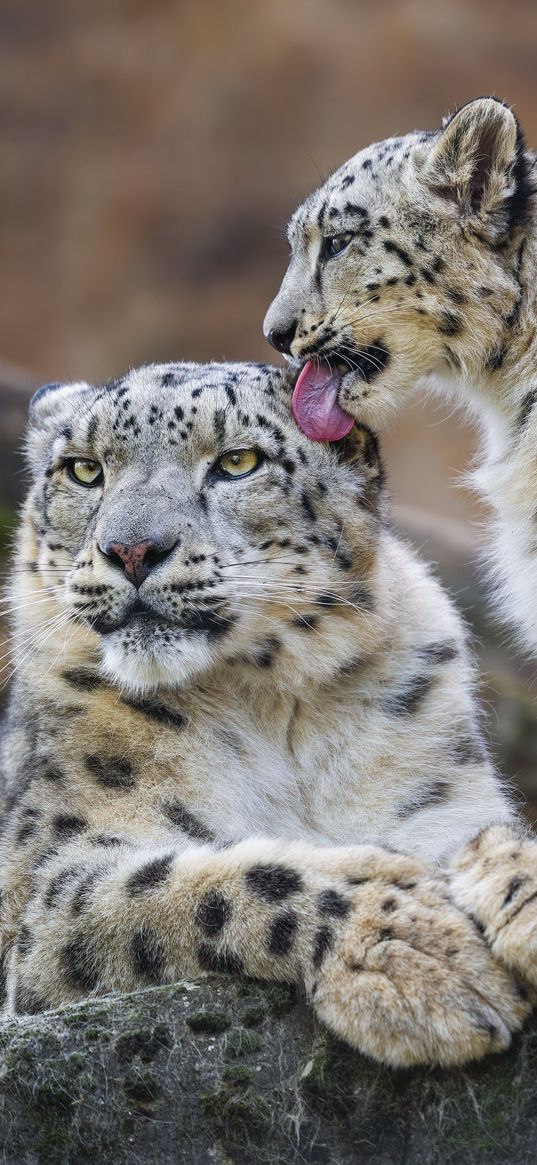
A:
(226, 1072)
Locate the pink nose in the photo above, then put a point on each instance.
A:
(138, 560)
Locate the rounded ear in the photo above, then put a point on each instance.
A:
(478, 162)
(50, 397)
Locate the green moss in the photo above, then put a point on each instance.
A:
(497, 1100)
(240, 1042)
(254, 1015)
(280, 999)
(144, 1042)
(237, 1115)
(236, 1074)
(77, 1018)
(212, 1022)
(53, 1140)
(141, 1086)
(102, 1034)
(328, 1079)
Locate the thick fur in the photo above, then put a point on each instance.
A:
(437, 285)
(213, 770)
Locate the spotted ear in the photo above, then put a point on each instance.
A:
(51, 397)
(478, 162)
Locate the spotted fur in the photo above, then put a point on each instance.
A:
(211, 767)
(436, 286)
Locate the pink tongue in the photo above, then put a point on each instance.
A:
(315, 405)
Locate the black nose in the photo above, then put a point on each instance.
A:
(137, 560)
(282, 341)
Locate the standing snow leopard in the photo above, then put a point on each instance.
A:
(417, 261)
(242, 735)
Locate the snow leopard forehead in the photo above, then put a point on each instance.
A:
(162, 408)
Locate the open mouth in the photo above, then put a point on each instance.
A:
(315, 401)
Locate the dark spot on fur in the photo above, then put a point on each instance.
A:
(409, 698)
(53, 774)
(322, 943)
(395, 249)
(273, 882)
(307, 507)
(221, 962)
(78, 964)
(265, 652)
(150, 875)
(514, 886)
(450, 324)
(496, 357)
(83, 678)
(456, 296)
(82, 895)
(58, 883)
(107, 840)
(112, 772)
(306, 622)
(327, 600)
(332, 903)
(442, 652)
(213, 912)
(68, 825)
(26, 831)
(25, 940)
(478, 926)
(434, 794)
(157, 711)
(180, 816)
(526, 408)
(282, 932)
(148, 954)
(467, 749)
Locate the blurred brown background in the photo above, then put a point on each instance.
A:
(152, 151)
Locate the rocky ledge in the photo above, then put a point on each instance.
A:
(220, 1072)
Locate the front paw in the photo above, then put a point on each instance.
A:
(494, 878)
(411, 981)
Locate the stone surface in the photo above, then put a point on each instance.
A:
(232, 1072)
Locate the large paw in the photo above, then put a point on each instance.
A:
(410, 979)
(495, 879)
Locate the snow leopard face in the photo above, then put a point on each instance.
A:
(180, 515)
(406, 263)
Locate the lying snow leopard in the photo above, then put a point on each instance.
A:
(242, 735)
(417, 260)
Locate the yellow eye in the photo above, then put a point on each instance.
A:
(239, 462)
(85, 472)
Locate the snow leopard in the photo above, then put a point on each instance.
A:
(415, 264)
(242, 735)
